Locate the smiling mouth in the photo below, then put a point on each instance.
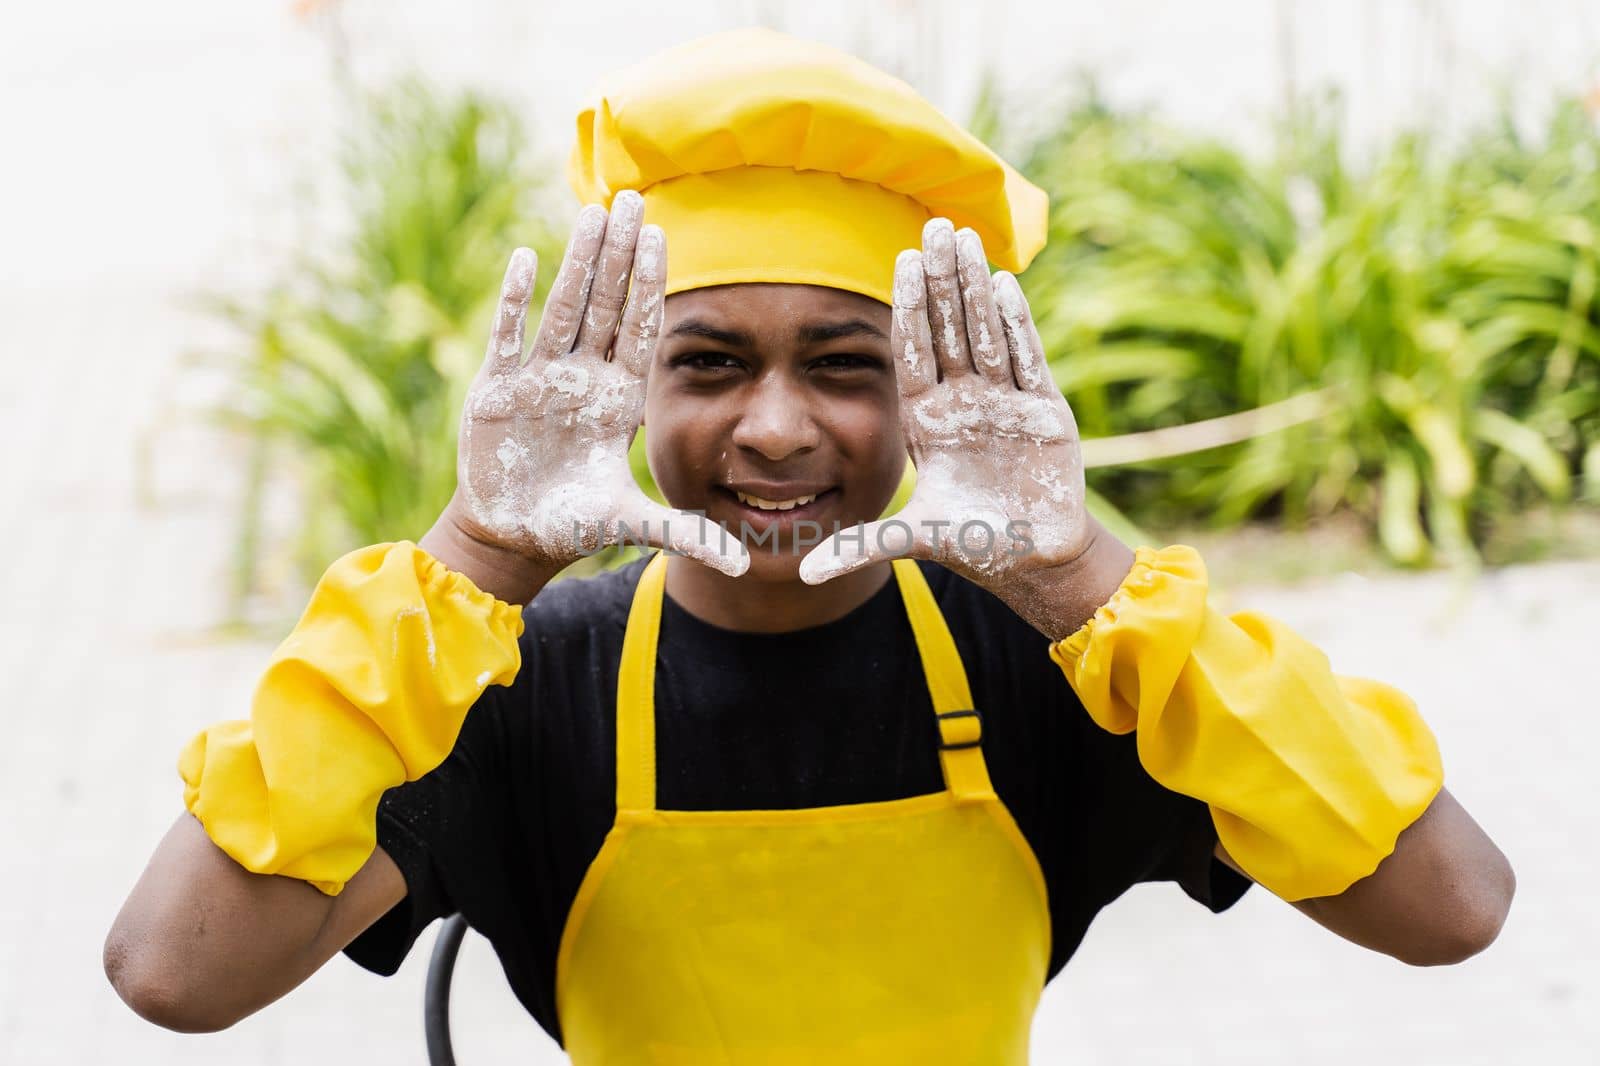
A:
(765, 509)
(773, 505)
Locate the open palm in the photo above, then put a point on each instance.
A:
(543, 451)
(999, 470)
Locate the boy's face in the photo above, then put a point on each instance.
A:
(778, 393)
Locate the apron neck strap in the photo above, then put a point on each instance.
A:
(636, 692)
(960, 727)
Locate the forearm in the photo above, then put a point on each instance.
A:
(1440, 897)
(1310, 776)
(1443, 891)
(201, 942)
(369, 691)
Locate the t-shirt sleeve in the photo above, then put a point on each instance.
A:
(1107, 826)
(1140, 831)
(447, 830)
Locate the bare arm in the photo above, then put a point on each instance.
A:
(202, 942)
(1439, 898)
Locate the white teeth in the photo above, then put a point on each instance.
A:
(774, 505)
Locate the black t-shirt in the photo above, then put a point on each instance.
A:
(505, 828)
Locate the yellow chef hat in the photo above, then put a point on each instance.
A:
(766, 158)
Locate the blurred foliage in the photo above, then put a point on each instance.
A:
(355, 366)
(1445, 297)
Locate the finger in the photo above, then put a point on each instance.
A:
(505, 338)
(641, 323)
(985, 335)
(684, 532)
(610, 288)
(909, 338)
(1022, 340)
(569, 294)
(946, 321)
(850, 549)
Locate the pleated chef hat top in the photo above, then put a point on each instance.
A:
(767, 158)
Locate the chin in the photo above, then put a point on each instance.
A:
(769, 567)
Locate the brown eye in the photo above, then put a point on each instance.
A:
(846, 362)
(705, 361)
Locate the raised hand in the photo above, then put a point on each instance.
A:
(543, 452)
(1000, 488)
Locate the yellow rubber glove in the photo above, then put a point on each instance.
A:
(1310, 777)
(369, 691)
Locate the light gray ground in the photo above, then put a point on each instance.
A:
(108, 668)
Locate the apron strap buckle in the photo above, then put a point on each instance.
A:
(960, 729)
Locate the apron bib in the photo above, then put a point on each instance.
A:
(907, 931)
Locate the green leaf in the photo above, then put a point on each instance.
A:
(1543, 463)
(1591, 473)
(1399, 520)
(1117, 524)
(1130, 361)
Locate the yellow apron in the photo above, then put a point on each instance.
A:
(907, 931)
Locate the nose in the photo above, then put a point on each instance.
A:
(776, 419)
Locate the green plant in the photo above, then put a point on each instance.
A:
(1439, 308)
(1415, 343)
(355, 365)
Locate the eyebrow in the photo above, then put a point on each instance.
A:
(696, 327)
(832, 331)
(815, 333)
